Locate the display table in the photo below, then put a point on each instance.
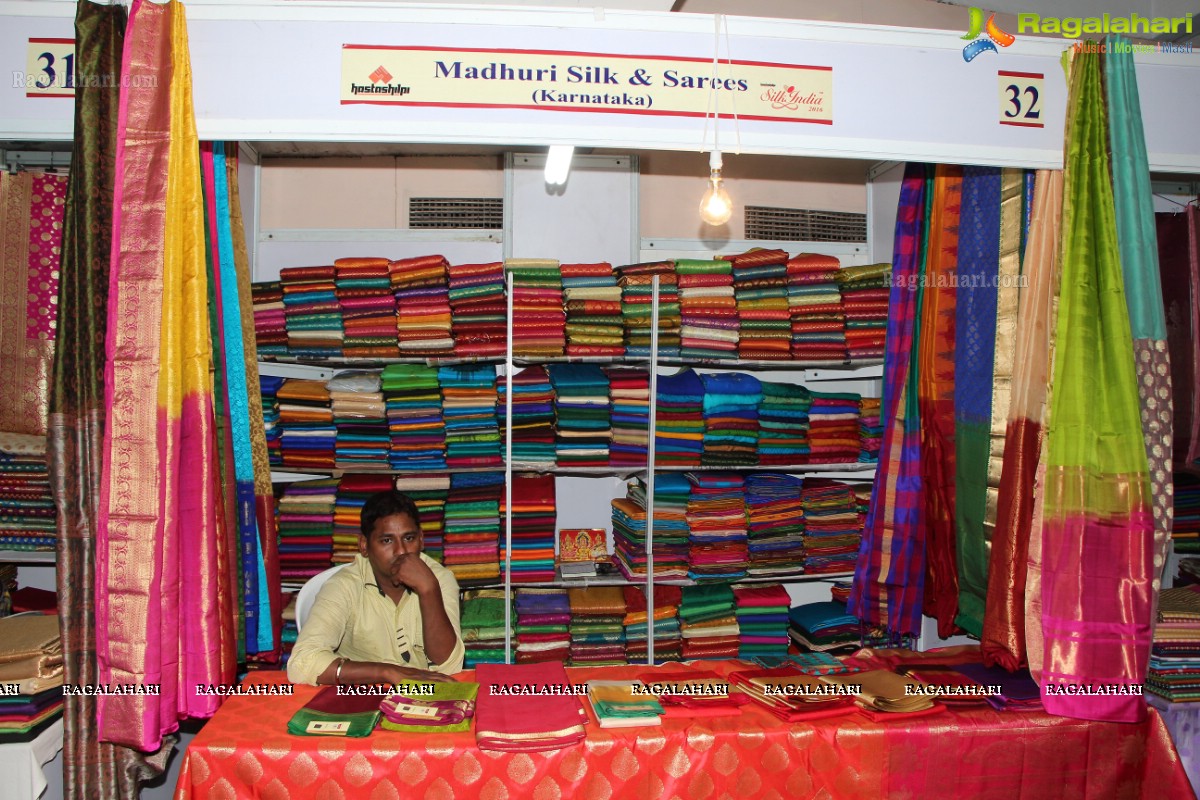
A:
(245, 751)
(21, 764)
(1183, 723)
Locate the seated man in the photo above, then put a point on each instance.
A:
(389, 616)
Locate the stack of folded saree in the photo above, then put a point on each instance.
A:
(792, 695)
(352, 494)
(1018, 690)
(543, 620)
(708, 309)
(503, 722)
(1185, 529)
(783, 424)
(311, 311)
(361, 419)
(815, 302)
(423, 320)
(469, 404)
(623, 704)
(331, 713)
(687, 693)
(592, 298)
(716, 518)
(447, 709)
(671, 493)
(582, 415)
(27, 510)
(760, 286)
(668, 642)
(309, 437)
(597, 625)
(533, 527)
(270, 322)
(709, 622)
(532, 415)
(832, 526)
(482, 626)
(822, 626)
(679, 431)
(870, 429)
(471, 548)
(637, 296)
(775, 521)
(478, 308)
(368, 308)
(429, 493)
(31, 659)
(1175, 655)
(269, 386)
(413, 400)
(630, 392)
(538, 323)
(833, 433)
(865, 291)
(731, 401)
(306, 511)
(762, 617)
(882, 692)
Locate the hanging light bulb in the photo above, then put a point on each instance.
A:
(558, 164)
(715, 207)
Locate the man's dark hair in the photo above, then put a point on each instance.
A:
(386, 504)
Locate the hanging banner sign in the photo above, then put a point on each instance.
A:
(588, 82)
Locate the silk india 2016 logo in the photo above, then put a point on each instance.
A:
(995, 35)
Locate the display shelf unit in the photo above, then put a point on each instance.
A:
(545, 468)
(28, 556)
(345, 362)
(621, 580)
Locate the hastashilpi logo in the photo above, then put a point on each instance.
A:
(380, 84)
(995, 35)
(380, 75)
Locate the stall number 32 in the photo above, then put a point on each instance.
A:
(1022, 102)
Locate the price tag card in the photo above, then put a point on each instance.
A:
(50, 68)
(1021, 99)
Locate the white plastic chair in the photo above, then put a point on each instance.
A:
(308, 594)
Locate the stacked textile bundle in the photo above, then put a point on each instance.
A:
(623, 704)
(671, 493)
(478, 308)
(429, 493)
(630, 393)
(423, 321)
(865, 291)
(593, 302)
(783, 424)
(597, 625)
(352, 494)
(1175, 654)
(306, 528)
(270, 321)
(731, 401)
(709, 622)
(533, 528)
(775, 517)
(637, 295)
(413, 399)
(762, 618)
(1018, 690)
(361, 419)
(27, 511)
(870, 429)
(822, 626)
(532, 415)
(543, 617)
(538, 323)
(760, 286)
(31, 659)
(309, 437)
(716, 518)
(790, 694)
(471, 543)
(311, 312)
(668, 641)
(469, 404)
(708, 309)
(269, 386)
(815, 300)
(368, 308)
(833, 433)
(832, 526)
(503, 721)
(1185, 530)
(483, 626)
(448, 708)
(582, 416)
(679, 431)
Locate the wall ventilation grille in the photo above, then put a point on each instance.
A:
(804, 225)
(456, 212)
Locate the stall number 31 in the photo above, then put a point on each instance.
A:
(51, 78)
